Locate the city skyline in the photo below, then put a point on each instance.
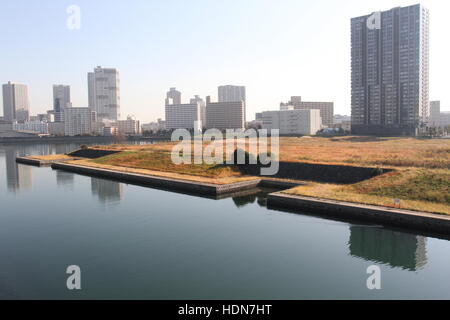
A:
(270, 67)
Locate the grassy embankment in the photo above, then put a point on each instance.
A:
(421, 178)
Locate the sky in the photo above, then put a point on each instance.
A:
(276, 48)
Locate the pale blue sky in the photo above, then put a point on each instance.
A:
(277, 48)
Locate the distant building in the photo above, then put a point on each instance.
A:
(104, 93)
(182, 116)
(326, 108)
(56, 128)
(438, 118)
(293, 122)
(159, 125)
(173, 96)
(230, 93)
(390, 71)
(78, 121)
(129, 126)
(16, 105)
(61, 101)
(202, 105)
(225, 115)
(31, 126)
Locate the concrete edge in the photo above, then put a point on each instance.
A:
(33, 162)
(376, 214)
(162, 182)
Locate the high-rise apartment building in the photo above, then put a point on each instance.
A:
(173, 96)
(16, 105)
(183, 116)
(230, 93)
(390, 71)
(225, 115)
(326, 108)
(61, 101)
(78, 121)
(104, 93)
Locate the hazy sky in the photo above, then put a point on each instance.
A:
(276, 48)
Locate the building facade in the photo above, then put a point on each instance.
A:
(78, 121)
(230, 93)
(225, 115)
(293, 122)
(173, 96)
(129, 126)
(104, 93)
(183, 116)
(390, 71)
(326, 108)
(438, 118)
(61, 101)
(16, 105)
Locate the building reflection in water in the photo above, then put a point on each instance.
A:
(108, 192)
(258, 195)
(393, 248)
(65, 179)
(18, 176)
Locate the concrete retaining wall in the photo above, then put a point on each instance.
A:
(382, 215)
(161, 182)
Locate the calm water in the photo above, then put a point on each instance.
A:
(135, 242)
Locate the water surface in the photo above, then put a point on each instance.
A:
(143, 243)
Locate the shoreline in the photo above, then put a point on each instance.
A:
(386, 216)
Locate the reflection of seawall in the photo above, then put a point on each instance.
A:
(388, 247)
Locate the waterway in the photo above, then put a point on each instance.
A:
(132, 242)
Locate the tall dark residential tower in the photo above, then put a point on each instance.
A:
(390, 71)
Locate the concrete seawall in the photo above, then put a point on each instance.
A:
(33, 162)
(161, 182)
(423, 221)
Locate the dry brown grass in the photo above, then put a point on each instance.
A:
(362, 151)
(159, 173)
(418, 189)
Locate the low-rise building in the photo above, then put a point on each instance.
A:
(293, 122)
(31, 126)
(129, 126)
(326, 108)
(437, 117)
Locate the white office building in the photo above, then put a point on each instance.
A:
(16, 105)
(104, 93)
(61, 101)
(293, 122)
(230, 93)
(78, 121)
(437, 117)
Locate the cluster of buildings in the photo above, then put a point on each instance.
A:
(389, 94)
(100, 117)
(198, 114)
